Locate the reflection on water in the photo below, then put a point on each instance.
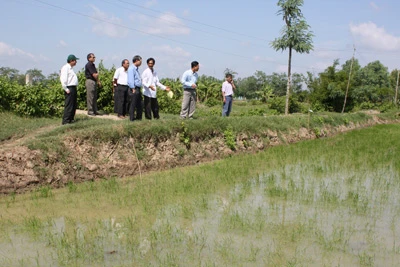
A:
(302, 215)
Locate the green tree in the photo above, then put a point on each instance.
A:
(374, 84)
(36, 75)
(230, 71)
(265, 93)
(12, 74)
(295, 35)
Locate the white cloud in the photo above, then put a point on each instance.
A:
(166, 24)
(172, 52)
(105, 24)
(265, 59)
(150, 3)
(172, 61)
(7, 50)
(186, 12)
(371, 36)
(374, 6)
(22, 60)
(326, 54)
(62, 43)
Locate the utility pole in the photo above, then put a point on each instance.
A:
(348, 82)
(397, 87)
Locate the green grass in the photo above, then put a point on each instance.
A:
(314, 203)
(12, 125)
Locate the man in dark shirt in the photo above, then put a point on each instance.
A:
(92, 81)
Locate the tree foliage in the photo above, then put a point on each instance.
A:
(295, 35)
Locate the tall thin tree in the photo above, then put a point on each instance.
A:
(295, 36)
(348, 81)
(397, 87)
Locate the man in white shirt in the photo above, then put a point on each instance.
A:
(121, 89)
(227, 93)
(69, 82)
(150, 82)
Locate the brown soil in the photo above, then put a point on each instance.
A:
(22, 169)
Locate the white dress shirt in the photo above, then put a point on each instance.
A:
(149, 78)
(121, 75)
(68, 77)
(227, 88)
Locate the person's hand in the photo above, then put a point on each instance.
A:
(194, 86)
(167, 89)
(224, 99)
(68, 91)
(133, 91)
(152, 88)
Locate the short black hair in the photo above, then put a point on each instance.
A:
(228, 75)
(89, 55)
(123, 61)
(151, 59)
(136, 58)
(194, 64)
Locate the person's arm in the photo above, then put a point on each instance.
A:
(162, 86)
(131, 82)
(137, 79)
(146, 79)
(94, 73)
(64, 79)
(223, 92)
(115, 79)
(185, 81)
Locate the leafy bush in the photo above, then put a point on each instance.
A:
(211, 102)
(278, 104)
(6, 89)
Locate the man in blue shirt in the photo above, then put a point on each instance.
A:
(134, 93)
(189, 80)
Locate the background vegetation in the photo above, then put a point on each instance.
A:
(371, 87)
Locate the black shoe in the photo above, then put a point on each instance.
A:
(98, 114)
(91, 114)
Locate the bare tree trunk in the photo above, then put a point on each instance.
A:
(288, 81)
(348, 82)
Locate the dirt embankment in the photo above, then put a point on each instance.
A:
(22, 169)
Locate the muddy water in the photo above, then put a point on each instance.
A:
(302, 215)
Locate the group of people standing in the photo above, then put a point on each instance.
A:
(69, 82)
(128, 93)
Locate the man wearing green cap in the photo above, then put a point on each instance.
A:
(69, 82)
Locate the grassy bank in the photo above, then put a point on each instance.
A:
(323, 202)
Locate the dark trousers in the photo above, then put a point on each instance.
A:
(135, 104)
(151, 105)
(70, 105)
(121, 98)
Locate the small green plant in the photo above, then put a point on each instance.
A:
(184, 136)
(245, 143)
(317, 132)
(44, 192)
(230, 138)
(71, 187)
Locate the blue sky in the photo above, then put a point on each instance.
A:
(219, 34)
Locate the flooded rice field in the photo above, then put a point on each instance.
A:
(321, 203)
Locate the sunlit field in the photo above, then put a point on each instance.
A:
(326, 202)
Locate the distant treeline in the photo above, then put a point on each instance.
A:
(370, 87)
